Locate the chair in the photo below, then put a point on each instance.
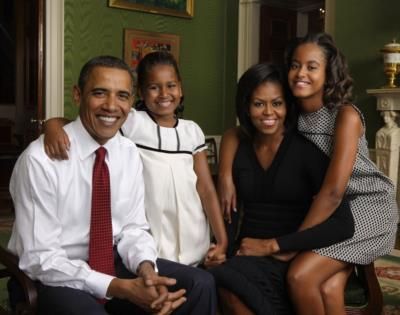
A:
(212, 157)
(363, 295)
(26, 304)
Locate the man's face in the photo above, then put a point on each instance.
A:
(105, 102)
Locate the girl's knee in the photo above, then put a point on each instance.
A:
(331, 291)
(296, 278)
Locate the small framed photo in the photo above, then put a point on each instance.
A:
(138, 43)
(180, 8)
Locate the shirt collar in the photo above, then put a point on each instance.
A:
(85, 144)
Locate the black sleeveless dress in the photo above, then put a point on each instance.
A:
(275, 202)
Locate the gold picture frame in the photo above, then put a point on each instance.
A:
(180, 8)
(138, 43)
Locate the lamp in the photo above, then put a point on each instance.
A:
(391, 61)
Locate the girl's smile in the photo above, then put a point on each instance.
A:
(307, 76)
(162, 94)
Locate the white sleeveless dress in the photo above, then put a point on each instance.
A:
(173, 206)
(371, 194)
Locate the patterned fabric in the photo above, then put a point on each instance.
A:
(101, 257)
(371, 195)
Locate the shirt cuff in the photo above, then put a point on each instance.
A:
(97, 284)
(141, 259)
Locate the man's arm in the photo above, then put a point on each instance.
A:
(36, 237)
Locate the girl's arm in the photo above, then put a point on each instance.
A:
(56, 142)
(208, 196)
(348, 130)
(226, 187)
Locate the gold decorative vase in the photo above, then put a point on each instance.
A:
(391, 62)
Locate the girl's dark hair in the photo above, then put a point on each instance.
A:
(146, 65)
(338, 83)
(249, 82)
(101, 61)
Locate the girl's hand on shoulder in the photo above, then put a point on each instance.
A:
(257, 247)
(215, 255)
(227, 197)
(56, 141)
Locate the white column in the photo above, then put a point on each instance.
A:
(54, 102)
(330, 17)
(248, 35)
(387, 140)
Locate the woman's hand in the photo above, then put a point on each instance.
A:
(227, 196)
(258, 247)
(215, 256)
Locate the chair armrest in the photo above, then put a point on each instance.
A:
(10, 261)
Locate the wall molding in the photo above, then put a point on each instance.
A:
(248, 34)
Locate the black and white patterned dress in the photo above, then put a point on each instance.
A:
(371, 195)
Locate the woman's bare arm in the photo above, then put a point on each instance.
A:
(226, 188)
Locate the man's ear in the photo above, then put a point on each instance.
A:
(76, 94)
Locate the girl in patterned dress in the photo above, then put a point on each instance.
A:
(180, 198)
(318, 78)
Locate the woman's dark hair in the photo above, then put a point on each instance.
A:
(249, 82)
(146, 65)
(101, 61)
(338, 83)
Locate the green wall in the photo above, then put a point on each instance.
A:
(362, 28)
(208, 51)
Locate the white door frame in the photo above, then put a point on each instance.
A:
(54, 86)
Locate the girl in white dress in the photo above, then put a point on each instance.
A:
(180, 197)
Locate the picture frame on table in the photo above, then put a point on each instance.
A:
(179, 8)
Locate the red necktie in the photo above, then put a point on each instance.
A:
(101, 257)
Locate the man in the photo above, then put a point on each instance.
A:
(60, 207)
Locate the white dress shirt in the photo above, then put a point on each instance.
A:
(52, 202)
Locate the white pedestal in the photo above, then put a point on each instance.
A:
(387, 140)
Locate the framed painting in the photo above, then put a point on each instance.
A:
(138, 43)
(181, 8)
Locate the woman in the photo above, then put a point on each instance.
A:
(276, 173)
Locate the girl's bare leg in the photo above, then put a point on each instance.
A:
(306, 276)
(333, 292)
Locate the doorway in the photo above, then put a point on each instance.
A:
(21, 81)
(251, 25)
(283, 20)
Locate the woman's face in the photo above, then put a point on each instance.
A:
(307, 76)
(267, 109)
(162, 92)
